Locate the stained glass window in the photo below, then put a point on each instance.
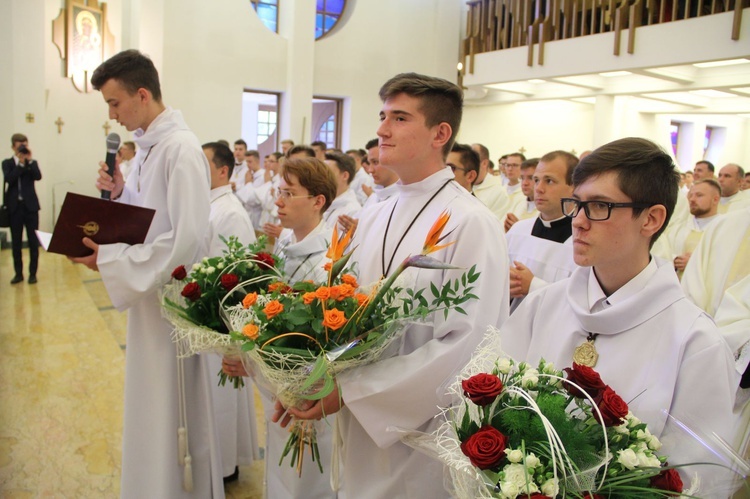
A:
(268, 11)
(327, 15)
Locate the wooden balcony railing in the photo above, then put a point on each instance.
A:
(501, 24)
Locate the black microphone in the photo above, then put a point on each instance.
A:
(113, 144)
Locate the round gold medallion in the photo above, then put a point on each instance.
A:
(586, 354)
(90, 228)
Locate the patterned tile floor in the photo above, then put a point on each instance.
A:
(61, 387)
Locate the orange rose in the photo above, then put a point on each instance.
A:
(335, 293)
(350, 280)
(251, 331)
(308, 298)
(278, 286)
(345, 291)
(362, 299)
(249, 300)
(334, 319)
(273, 308)
(323, 293)
(327, 267)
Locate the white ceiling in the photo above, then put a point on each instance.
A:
(679, 89)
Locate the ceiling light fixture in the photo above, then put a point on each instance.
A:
(610, 74)
(716, 64)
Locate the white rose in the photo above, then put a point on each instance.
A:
(196, 266)
(627, 458)
(632, 420)
(220, 265)
(532, 461)
(645, 459)
(550, 488)
(210, 270)
(654, 443)
(514, 455)
(639, 446)
(523, 366)
(622, 429)
(517, 474)
(643, 434)
(548, 367)
(504, 365)
(509, 490)
(530, 378)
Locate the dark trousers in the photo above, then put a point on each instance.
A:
(19, 219)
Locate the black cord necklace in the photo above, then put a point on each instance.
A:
(385, 269)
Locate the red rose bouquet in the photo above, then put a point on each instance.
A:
(537, 432)
(298, 338)
(194, 302)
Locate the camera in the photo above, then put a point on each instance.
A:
(23, 149)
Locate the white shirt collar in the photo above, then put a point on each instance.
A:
(599, 301)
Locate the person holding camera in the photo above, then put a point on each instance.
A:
(20, 172)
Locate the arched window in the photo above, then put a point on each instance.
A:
(268, 11)
(327, 132)
(327, 15)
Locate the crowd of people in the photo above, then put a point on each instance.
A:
(616, 250)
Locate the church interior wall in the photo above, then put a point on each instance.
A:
(207, 56)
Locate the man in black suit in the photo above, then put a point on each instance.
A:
(20, 172)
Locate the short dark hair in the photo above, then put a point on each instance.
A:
(313, 175)
(287, 141)
(240, 142)
(469, 157)
(132, 69)
(441, 101)
(344, 162)
(372, 143)
(484, 153)
(710, 165)
(523, 158)
(129, 144)
(16, 138)
(223, 156)
(301, 148)
(710, 181)
(252, 152)
(571, 162)
(222, 141)
(276, 155)
(319, 143)
(645, 173)
(530, 163)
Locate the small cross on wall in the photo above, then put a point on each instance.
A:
(59, 124)
(522, 150)
(106, 127)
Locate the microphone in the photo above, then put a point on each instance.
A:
(113, 144)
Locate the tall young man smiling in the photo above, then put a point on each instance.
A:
(419, 121)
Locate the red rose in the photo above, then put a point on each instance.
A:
(191, 291)
(589, 495)
(538, 496)
(612, 407)
(667, 480)
(485, 448)
(179, 273)
(482, 388)
(585, 377)
(229, 281)
(265, 260)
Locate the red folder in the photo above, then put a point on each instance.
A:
(102, 221)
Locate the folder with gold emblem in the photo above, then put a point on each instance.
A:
(104, 222)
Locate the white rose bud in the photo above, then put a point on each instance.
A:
(530, 378)
(196, 266)
(550, 488)
(205, 260)
(632, 420)
(220, 265)
(532, 461)
(514, 455)
(509, 490)
(504, 366)
(622, 429)
(627, 458)
(654, 443)
(210, 270)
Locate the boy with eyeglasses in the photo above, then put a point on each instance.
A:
(623, 312)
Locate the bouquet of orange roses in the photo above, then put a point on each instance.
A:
(297, 338)
(194, 302)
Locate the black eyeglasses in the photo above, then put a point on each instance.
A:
(454, 168)
(595, 210)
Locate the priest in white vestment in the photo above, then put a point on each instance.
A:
(346, 203)
(540, 250)
(171, 176)
(721, 259)
(489, 189)
(733, 197)
(240, 167)
(234, 409)
(361, 178)
(627, 310)
(405, 391)
(523, 207)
